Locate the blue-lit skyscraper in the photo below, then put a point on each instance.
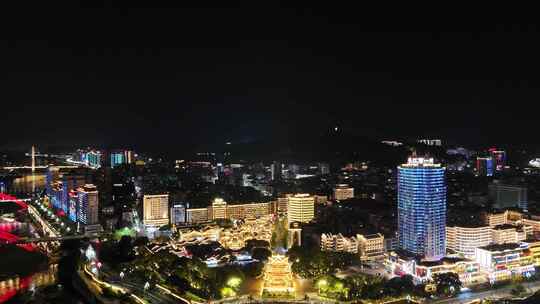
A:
(422, 208)
(117, 158)
(94, 159)
(88, 205)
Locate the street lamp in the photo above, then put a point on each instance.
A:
(146, 286)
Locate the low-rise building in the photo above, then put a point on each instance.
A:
(510, 233)
(371, 246)
(320, 199)
(403, 263)
(534, 222)
(219, 209)
(253, 210)
(343, 192)
(282, 203)
(502, 262)
(464, 240)
(338, 242)
(507, 217)
(196, 215)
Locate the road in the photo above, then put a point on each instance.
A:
(151, 296)
(503, 292)
(154, 295)
(372, 268)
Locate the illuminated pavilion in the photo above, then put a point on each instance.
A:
(278, 278)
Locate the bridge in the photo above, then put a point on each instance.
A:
(8, 198)
(7, 237)
(37, 167)
(60, 238)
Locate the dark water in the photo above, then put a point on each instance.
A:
(13, 286)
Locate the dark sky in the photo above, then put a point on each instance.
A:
(179, 77)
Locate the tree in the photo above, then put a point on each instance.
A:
(253, 243)
(517, 289)
(447, 283)
(69, 262)
(261, 254)
(398, 286)
(125, 248)
(141, 241)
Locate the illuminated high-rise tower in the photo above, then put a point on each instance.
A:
(499, 158)
(33, 169)
(422, 208)
(301, 208)
(88, 201)
(117, 158)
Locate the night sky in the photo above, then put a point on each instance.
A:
(171, 78)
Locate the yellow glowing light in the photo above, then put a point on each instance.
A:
(234, 282)
(227, 292)
(322, 282)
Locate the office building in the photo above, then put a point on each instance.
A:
(507, 233)
(73, 180)
(370, 246)
(507, 217)
(275, 171)
(301, 208)
(533, 222)
(430, 142)
(178, 214)
(320, 199)
(499, 158)
(50, 176)
(422, 208)
(464, 240)
(117, 158)
(197, 215)
(484, 166)
(73, 205)
(88, 210)
(129, 157)
(506, 196)
(324, 168)
(294, 235)
(156, 210)
(343, 192)
(253, 210)
(338, 243)
(59, 195)
(219, 209)
(94, 159)
(282, 203)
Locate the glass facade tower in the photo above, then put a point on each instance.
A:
(422, 208)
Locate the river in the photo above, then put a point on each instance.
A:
(10, 287)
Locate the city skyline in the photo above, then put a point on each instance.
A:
(268, 152)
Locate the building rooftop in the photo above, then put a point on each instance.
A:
(413, 162)
(506, 226)
(501, 247)
(466, 223)
(443, 261)
(372, 236)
